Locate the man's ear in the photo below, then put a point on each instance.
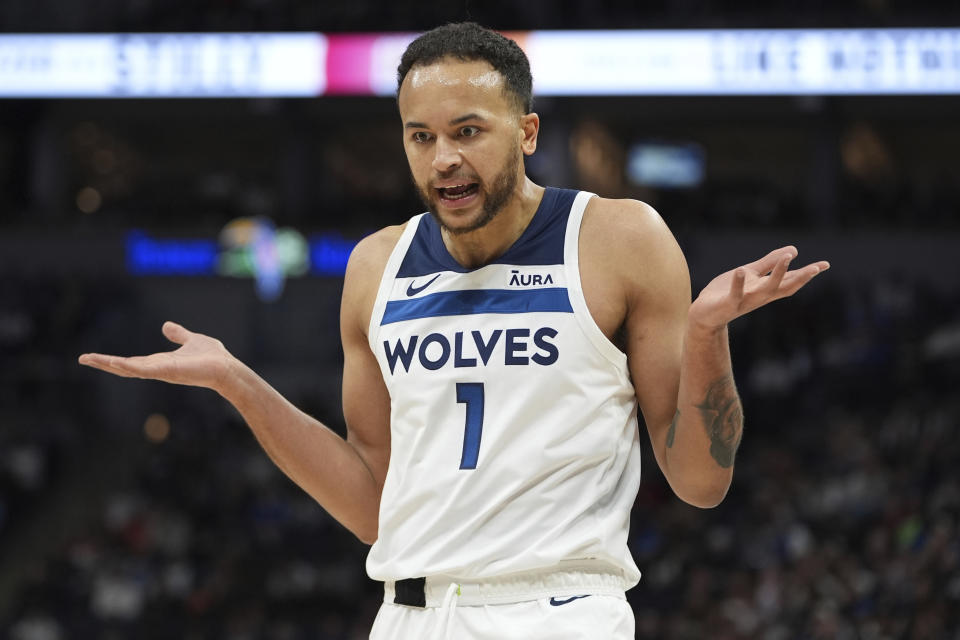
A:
(530, 129)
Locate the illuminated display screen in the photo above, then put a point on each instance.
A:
(669, 166)
(149, 256)
(247, 248)
(627, 62)
(162, 65)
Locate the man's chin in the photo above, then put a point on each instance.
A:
(457, 220)
(461, 221)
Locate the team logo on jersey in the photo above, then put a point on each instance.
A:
(519, 346)
(518, 279)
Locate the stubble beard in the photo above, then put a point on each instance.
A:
(495, 198)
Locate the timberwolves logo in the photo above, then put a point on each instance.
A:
(254, 247)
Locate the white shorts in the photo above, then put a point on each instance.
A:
(573, 607)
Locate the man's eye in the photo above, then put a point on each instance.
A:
(421, 136)
(468, 132)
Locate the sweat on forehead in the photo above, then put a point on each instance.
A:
(448, 72)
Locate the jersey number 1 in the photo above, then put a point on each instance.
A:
(471, 394)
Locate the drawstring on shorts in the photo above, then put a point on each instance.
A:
(447, 610)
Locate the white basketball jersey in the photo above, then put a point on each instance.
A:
(514, 438)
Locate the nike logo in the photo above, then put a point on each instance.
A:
(556, 603)
(412, 290)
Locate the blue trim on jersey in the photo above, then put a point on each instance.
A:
(473, 301)
(541, 243)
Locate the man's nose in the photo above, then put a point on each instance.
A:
(447, 155)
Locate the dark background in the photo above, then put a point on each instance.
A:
(133, 509)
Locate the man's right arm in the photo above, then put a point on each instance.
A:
(345, 476)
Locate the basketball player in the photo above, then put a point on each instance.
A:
(497, 350)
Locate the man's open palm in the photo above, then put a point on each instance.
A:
(201, 361)
(741, 290)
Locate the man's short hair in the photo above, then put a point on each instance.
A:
(468, 41)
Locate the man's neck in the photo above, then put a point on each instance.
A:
(484, 245)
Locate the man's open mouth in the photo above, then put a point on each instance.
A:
(459, 191)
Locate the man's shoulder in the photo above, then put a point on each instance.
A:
(374, 250)
(628, 242)
(369, 258)
(361, 281)
(624, 224)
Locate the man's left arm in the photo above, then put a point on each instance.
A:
(679, 354)
(709, 415)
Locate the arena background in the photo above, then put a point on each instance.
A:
(134, 509)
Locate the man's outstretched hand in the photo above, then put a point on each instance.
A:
(201, 361)
(741, 290)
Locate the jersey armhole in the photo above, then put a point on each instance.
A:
(571, 260)
(389, 275)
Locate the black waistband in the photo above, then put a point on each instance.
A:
(411, 592)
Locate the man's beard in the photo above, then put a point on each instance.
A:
(495, 198)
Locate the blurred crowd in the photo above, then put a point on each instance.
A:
(814, 162)
(209, 542)
(39, 323)
(842, 521)
(175, 166)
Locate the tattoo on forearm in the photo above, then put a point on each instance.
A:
(672, 431)
(723, 420)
